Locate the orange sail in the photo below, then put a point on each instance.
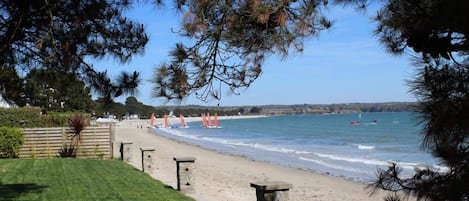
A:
(204, 121)
(183, 123)
(215, 120)
(209, 120)
(166, 123)
(152, 119)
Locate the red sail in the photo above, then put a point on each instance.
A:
(215, 121)
(209, 120)
(166, 123)
(183, 123)
(204, 121)
(152, 119)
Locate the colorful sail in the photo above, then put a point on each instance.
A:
(215, 121)
(165, 119)
(209, 120)
(152, 119)
(183, 122)
(204, 121)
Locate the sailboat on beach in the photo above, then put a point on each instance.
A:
(183, 122)
(204, 120)
(207, 121)
(215, 121)
(152, 119)
(165, 121)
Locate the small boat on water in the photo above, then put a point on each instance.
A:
(359, 122)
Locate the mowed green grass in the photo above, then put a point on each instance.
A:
(76, 179)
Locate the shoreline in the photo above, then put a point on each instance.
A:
(222, 176)
(176, 120)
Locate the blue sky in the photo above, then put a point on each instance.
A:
(344, 64)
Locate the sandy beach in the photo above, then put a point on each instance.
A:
(222, 177)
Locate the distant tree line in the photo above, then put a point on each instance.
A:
(133, 107)
(375, 107)
(328, 108)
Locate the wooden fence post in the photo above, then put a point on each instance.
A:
(47, 143)
(111, 140)
(126, 151)
(185, 177)
(271, 191)
(147, 159)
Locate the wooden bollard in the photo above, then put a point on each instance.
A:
(271, 191)
(126, 151)
(147, 159)
(184, 174)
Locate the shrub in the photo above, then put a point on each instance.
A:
(30, 117)
(77, 123)
(21, 117)
(11, 140)
(68, 151)
(62, 119)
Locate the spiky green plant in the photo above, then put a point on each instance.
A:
(77, 123)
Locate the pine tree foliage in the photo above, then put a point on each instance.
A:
(54, 91)
(11, 86)
(62, 35)
(230, 41)
(437, 31)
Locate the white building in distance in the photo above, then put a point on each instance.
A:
(4, 103)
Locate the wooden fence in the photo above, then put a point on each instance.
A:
(96, 142)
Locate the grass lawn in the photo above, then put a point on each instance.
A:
(76, 179)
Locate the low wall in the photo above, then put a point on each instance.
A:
(96, 142)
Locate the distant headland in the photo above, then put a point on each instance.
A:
(341, 108)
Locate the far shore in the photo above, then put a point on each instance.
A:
(222, 177)
(176, 120)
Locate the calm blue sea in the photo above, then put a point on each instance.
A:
(327, 144)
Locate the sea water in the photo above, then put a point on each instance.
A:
(327, 144)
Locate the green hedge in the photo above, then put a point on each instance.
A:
(61, 119)
(30, 117)
(21, 117)
(11, 140)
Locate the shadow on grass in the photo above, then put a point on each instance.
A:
(169, 187)
(13, 191)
